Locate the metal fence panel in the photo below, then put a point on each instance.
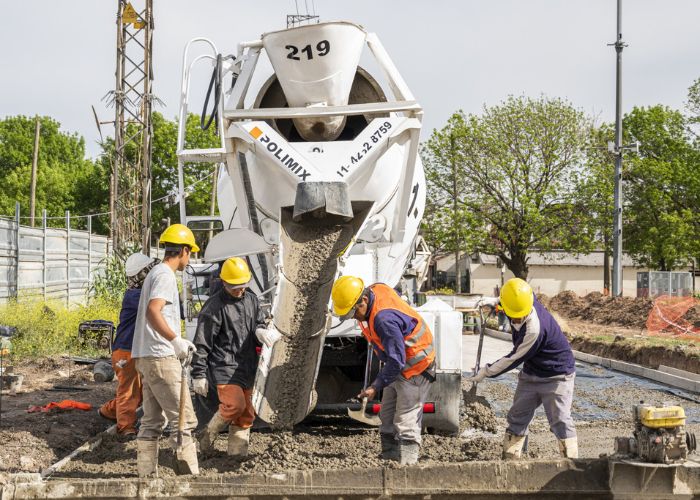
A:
(58, 264)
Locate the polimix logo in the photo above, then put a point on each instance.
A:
(284, 157)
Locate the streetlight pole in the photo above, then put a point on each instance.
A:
(617, 224)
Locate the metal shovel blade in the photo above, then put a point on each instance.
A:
(360, 415)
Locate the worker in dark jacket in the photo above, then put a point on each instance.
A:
(230, 326)
(122, 408)
(404, 343)
(548, 373)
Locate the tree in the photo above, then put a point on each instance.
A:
(450, 226)
(595, 191)
(66, 180)
(521, 161)
(662, 189)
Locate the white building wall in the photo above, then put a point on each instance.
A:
(551, 280)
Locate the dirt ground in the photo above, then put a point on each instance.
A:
(29, 442)
(602, 411)
(616, 328)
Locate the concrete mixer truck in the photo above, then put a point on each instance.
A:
(319, 176)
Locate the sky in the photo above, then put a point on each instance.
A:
(58, 58)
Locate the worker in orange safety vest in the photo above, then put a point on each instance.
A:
(403, 341)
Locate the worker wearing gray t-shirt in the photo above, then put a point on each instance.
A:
(159, 350)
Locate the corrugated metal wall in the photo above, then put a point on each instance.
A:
(54, 264)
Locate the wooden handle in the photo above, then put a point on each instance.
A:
(183, 395)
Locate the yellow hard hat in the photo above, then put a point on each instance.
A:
(346, 291)
(235, 271)
(517, 298)
(179, 234)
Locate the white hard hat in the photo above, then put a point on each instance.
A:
(136, 262)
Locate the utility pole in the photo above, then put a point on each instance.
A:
(130, 196)
(617, 149)
(458, 271)
(35, 161)
(617, 223)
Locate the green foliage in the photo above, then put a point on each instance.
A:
(66, 180)
(662, 189)
(109, 285)
(49, 329)
(441, 291)
(518, 167)
(165, 169)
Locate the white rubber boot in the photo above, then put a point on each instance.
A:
(147, 457)
(238, 439)
(408, 452)
(211, 432)
(513, 446)
(569, 447)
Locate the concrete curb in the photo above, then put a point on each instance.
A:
(558, 479)
(672, 379)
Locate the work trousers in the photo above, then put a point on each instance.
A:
(161, 397)
(236, 405)
(402, 407)
(128, 398)
(554, 393)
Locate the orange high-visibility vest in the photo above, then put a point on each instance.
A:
(420, 352)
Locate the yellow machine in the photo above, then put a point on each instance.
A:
(659, 435)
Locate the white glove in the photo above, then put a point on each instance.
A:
(480, 375)
(268, 336)
(182, 347)
(200, 386)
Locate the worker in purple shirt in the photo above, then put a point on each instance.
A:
(403, 341)
(548, 373)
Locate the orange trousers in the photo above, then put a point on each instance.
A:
(236, 405)
(123, 407)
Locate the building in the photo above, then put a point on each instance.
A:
(549, 273)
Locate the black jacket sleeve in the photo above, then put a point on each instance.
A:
(208, 326)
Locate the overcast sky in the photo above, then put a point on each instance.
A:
(58, 58)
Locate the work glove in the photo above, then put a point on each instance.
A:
(201, 386)
(182, 347)
(268, 336)
(480, 375)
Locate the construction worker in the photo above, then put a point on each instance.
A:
(230, 326)
(548, 373)
(159, 350)
(122, 408)
(401, 340)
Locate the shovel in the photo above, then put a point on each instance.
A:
(472, 392)
(360, 415)
(181, 465)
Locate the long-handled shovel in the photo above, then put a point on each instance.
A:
(360, 414)
(182, 466)
(471, 395)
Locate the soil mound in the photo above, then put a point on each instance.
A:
(596, 307)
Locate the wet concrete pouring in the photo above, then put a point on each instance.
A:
(602, 410)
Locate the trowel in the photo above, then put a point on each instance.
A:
(360, 414)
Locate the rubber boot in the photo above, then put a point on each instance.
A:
(408, 452)
(569, 447)
(390, 447)
(186, 457)
(147, 457)
(238, 439)
(211, 432)
(513, 446)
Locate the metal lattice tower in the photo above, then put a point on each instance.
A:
(130, 193)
